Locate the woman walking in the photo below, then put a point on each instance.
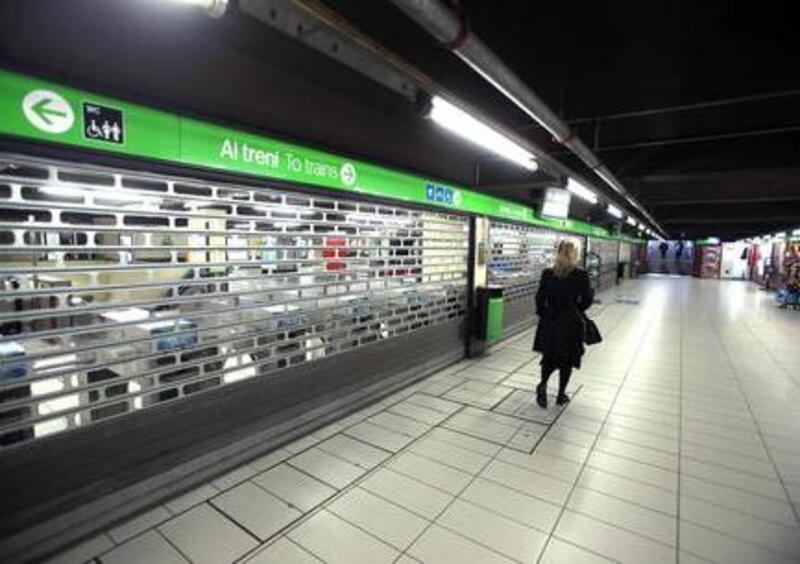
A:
(563, 296)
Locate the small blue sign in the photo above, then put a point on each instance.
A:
(440, 194)
(430, 192)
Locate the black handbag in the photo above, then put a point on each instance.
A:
(591, 334)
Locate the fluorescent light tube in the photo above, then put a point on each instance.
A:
(631, 221)
(581, 191)
(615, 211)
(781, 235)
(796, 232)
(461, 123)
(215, 8)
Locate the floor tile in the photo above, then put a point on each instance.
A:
(149, 547)
(206, 536)
(294, 487)
(632, 491)
(654, 457)
(283, 551)
(256, 510)
(400, 424)
(509, 538)
(634, 470)
(717, 547)
(451, 455)
(327, 468)
(552, 466)
(378, 436)
(739, 500)
(440, 546)
(481, 427)
(417, 497)
(464, 441)
(526, 481)
(418, 413)
(624, 514)
(437, 404)
(430, 472)
(613, 542)
(562, 449)
(751, 529)
(387, 521)
(354, 451)
(560, 552)
(733, 478)
(528, 510)
(335, 541)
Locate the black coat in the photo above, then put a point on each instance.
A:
(560, 303)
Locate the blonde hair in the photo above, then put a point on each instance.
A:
(566, 258)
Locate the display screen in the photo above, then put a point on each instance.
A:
(556, 203)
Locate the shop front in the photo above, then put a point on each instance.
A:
(173, 287)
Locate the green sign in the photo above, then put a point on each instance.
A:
(36, 109)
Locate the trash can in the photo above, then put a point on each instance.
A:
(487, 326)
(494, 321)
(622, 268)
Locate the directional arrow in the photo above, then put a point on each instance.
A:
(40, 109)
(48, 111)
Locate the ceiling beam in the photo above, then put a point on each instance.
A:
(663, 202)
(744, 220)
(689, 107)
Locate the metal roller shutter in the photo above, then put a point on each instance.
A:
(123, 291)
(519, 254)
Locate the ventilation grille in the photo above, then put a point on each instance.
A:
(122, 290)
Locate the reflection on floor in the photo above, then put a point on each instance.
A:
(681, 444)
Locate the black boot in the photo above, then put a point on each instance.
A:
(541, 395)
(563, 381)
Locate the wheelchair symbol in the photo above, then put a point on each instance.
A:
(94, 131)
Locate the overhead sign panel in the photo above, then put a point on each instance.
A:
(39, 110)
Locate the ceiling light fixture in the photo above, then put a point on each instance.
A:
(631, 221)
(458, 121)
(215, 8)
(581, 191)
(615, 211)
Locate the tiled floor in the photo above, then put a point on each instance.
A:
(681, 444)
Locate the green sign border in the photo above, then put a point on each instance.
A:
(153, 134)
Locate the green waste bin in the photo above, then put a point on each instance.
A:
(494, 318)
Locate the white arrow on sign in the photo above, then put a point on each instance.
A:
(347, 174)
(48, 111)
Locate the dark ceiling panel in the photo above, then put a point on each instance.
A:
(586, 59)
(235, 70)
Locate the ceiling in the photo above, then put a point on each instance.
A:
(695, 106)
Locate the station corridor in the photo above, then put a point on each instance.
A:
(680, 445)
